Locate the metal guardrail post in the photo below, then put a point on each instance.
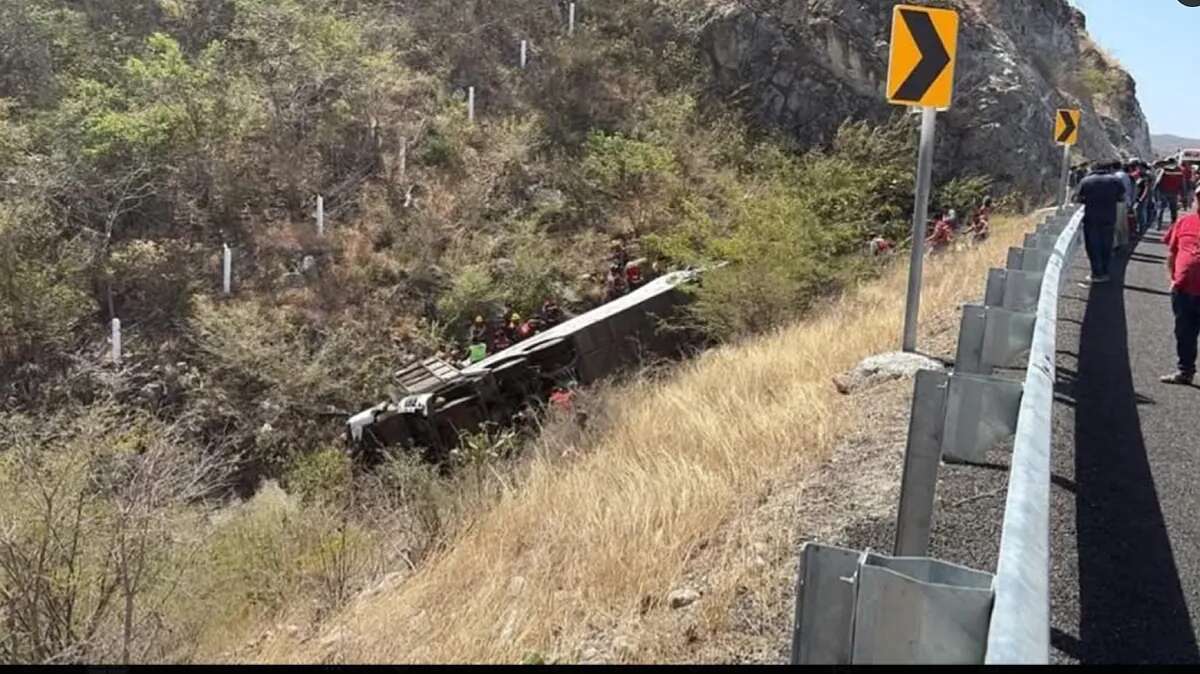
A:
(1020, 625)
(991, 337)
(955, 416)
(1028, 259)
(922, 457)
(1013, 289)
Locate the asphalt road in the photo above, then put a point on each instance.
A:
(1125, 494)
(1125, 538)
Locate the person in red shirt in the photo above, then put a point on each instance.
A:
(1183, 264)
(1170, 186)
(942, 236)
(633, 276)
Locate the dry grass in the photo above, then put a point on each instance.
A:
(588, 546)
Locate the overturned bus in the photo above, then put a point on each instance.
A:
(437, 402)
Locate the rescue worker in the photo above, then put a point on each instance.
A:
(618, 255)
(952, 219)
(878, 245)
(551, 314)
(500, 339)
(633, 276)
(513, 327)
(981, 222)
(476, 352)
(655, 271)
(1171, 184)
(478, 331)
(562, 400)
(941, 237)
(614, 283)
(527, 329)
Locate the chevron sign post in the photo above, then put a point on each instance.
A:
(921, 74)
(1066, 133)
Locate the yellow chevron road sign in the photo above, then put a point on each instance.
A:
(924, 47)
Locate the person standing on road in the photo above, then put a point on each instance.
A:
(1152, 196)
(1100, 192)
(1183, 265)
(1142, 197)
(1189, 185)
(1124, 208)
(1170, 184)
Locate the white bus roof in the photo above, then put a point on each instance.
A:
(565, 329)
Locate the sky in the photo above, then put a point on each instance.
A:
(1142, 34)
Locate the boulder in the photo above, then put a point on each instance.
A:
(884, 367)
(682, 597)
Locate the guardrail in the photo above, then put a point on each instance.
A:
(859, 607)
(1020, 628)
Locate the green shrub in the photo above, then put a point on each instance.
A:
(323, 475)
(42, 297)
(265, 554)
(964, 195)
(790, 228)
(1099, 81)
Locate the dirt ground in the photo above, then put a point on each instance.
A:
(852, 491)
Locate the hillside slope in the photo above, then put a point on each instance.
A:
(1167, 144)
(579, 561)
(804, 65)
(140, 138)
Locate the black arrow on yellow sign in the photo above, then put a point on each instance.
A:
(934, 57)
(1068, 126)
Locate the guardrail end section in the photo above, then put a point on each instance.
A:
(920, 611)
(863, 608)
(823, 631)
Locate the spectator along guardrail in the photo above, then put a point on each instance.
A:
(860, 607)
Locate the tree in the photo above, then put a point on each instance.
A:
(91, 532)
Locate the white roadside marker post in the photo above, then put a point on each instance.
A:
(403, 158)
(571, 20)
(227, 270)
(116, 341)
(524, 53)
(471, 104)
(320, 215)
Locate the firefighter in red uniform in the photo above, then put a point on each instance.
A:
(633, 276)
(941, 237)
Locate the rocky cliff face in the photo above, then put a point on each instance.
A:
(807, 65)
